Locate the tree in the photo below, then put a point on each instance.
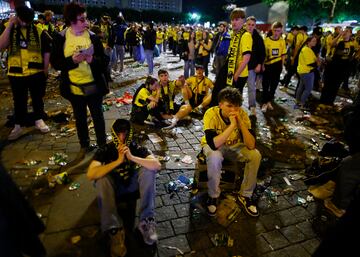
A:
(335, 6)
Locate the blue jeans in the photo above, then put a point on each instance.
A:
(214, 161)
(120, 55)
(94, 102)
(251, 82)
(149, 56)
(160, 47)
(305, 87)
(189, 68)
(109, 189)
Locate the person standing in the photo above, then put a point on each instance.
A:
(119, 28)
(227, 136)
(234, 72)
(275, 49)
(79, 54)
(29, 54)
(337, 66)
(189, 56)
(308, 62)
(255, 64)
(203, 47)
(149, 45)
(221, 46)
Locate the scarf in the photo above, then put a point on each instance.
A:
(168, 98)
(126, 166)
(233, 56)
(31, 40)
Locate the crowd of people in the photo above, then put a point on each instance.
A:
(89, 54)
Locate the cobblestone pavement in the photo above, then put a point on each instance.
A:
(288, 140)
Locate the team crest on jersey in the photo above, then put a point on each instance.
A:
(275, 51)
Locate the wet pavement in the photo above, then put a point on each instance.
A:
(290, 222)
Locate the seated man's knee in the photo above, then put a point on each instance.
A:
(254, 155)
(103, 182)
(214, 156)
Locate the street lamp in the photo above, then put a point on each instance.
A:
(195, 17)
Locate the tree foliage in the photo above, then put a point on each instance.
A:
(320, 10)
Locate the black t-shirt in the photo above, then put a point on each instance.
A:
(109, 153)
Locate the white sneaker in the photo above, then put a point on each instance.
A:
(147, 227)
(269, 106)
(172, 123)
(264, 108)
(15, 133)
(40, 125)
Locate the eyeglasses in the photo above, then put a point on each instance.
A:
(82, 19)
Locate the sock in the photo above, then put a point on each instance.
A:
(187, 102)
(200, 106)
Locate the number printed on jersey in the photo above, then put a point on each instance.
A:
(275, 52)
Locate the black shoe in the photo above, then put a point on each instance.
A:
(249, 205)
(211, 205)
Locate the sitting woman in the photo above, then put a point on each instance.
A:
(145, 103)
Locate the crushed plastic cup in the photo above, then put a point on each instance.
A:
(62, 178)
(184, 179)
(41, 171)
(74, 186)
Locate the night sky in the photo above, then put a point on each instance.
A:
(212, 7)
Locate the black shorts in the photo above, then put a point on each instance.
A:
(199, 100)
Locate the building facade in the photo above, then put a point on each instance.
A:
(160, 5)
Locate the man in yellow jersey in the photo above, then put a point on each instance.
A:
(28, 63)
(79, 54)
(275, 52)
(196, 92)
(336, 69)
(235, 71)
(168, 91)
(159, 39)
(145, 103)
(228, 136)
(299, 41)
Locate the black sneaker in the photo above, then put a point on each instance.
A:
(211, 205)
(248, 205)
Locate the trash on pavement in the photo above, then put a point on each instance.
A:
(172, 248)
(163, 158)
(271, 194)
(227, 211)
(187, 159)
(154, 138)
(296, 176)
(61, 178)
(32, 162)
(74, 186)
(41, 171)
(222, 239)
(58, 159)
(75, 239)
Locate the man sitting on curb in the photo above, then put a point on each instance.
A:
(227, 135)
(196, 92)
(115, 172)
